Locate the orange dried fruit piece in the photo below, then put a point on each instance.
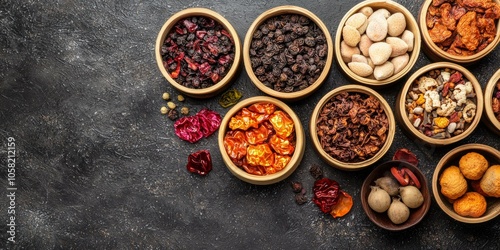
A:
(471, 204)
(343, 206)
(473, 165)
(490, 183)
(453, 183)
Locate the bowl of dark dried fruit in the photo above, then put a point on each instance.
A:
(459, 31)
(492, 103)
(352, 127)
(466, 183)
(395, 195)
(379, 42)
(261, 140)
(440, 104)
(199, 52)
(288, 52)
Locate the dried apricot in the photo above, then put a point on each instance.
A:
(490, 183)
(471, 204)
(453, 183)
(473, 165)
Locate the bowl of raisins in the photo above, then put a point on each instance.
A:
(288, 52)
(459, 31)
(352, 127)
(492, 103)
(379, 43)
(261, 140)
(199, 52)
(440, 104)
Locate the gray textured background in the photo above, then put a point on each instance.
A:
(99, 167)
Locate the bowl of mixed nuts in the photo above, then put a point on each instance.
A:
(459, 31)
(440, 104)
(288, 52)
(352, 127)
(199, 52)
(492, 103)
(261, 140)
(379, 42)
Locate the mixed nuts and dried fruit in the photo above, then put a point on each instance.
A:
(463, 27)
(495, 102)
(376, 44)
(441, 103)
(288, 52)
(198, 52)
(260, 138)
(469, 185)
(352, 126)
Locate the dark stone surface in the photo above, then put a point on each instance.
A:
(99, 167)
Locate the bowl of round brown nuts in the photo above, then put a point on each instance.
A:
(492, 103)
(466, 183)
(352, 127)
(379, 42)
(440, 104)
(288, 52)
(199, 52)
(395, 195)
(459, 31)
(261, 140)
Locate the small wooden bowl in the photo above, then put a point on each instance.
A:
(282, 10)
(231, 74)
(298, 153)
(411, 25)
(489, 116)
(402, 113)
(452, 158)
(351, 166)
(381, 219)
(437, 54)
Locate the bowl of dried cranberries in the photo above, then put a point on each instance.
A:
(459, 31)
(261, 140)
(288, 52)
(199, 52)
(352, 127)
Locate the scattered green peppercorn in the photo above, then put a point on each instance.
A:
(180, 98)
(171, 105)
(185, 110)
(164, 110)
(165, 96)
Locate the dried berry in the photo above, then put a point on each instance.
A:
(296, 186)
(198, 52)
(326, 194)
(200, 162)
(300, 198)
(316, 172)
(173, 114)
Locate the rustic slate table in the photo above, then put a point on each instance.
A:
(98, 167)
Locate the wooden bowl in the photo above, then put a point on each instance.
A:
(295, 160)
(231, 74)
(411, 25)
(452, 158)
(351, 166)
(489, 116)
(435, 53)
(402, 114)
(381, 219)
(277, 11)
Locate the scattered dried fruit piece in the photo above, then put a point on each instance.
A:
(164, 110)
(200, 162)
(343, 205)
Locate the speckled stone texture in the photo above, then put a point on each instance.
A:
(98, 166)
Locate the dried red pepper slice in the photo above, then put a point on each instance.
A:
(200, 162)
(209, 121)
(188, 128)
(235, 144)
(404, 154)
(280, 161)
(282, 123)
(263, 108)
(326, 194)
(281, 146)
(258, 135)
(260, 155)
(413, 178)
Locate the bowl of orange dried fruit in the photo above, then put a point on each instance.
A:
(261, 140)
(466, 183)
(459, 31)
